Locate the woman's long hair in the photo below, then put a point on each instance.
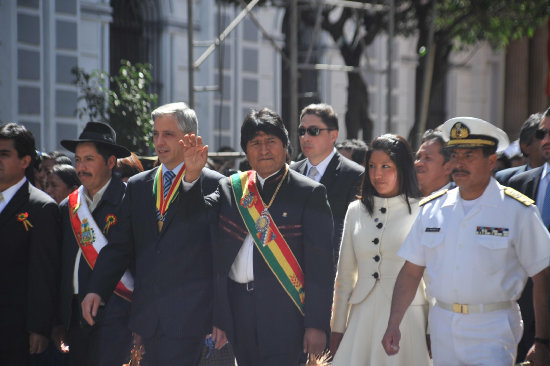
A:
(399, 151)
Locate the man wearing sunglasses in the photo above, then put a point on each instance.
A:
(535, 184)
(318, 133)
(530, 149)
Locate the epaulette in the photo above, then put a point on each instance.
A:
(518, 196)
(432, 197)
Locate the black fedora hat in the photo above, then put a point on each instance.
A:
(100, 133)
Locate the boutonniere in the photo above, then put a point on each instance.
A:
(24, 218)
(110, 220)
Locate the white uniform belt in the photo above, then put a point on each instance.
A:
(474, 308)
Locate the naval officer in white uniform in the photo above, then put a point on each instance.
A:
(478, 244)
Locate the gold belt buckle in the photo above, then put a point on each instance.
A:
(460, 308)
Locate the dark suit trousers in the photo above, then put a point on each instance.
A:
(106, 343)
(245, 342)
(162, 350)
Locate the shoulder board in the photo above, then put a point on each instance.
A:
(432, 197)
(518, 196)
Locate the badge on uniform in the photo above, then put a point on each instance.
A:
(492, 231)
(433, 229)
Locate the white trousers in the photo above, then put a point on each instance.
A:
(485, 339)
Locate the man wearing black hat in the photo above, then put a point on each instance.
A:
(478, 244)
(273, 292)
(89, 215)
(29, 245)
(172, 302)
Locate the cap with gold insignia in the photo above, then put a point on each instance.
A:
(470, 132)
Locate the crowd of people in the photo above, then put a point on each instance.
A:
(373, 255)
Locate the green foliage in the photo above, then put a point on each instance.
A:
(495, 21)
(123, 100)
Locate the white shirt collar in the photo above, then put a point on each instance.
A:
(94, 201)
(10, 192)
(322, 166)
(176, 170)
(545, 170)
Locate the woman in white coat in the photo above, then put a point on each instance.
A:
(375, 227)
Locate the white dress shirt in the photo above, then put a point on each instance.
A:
(10, 192)
(478, 256)
(543, 185)
(321, 167)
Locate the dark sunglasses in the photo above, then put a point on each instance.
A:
(312, 130)
(540, 133)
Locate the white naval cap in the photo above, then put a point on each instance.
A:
(470, 132)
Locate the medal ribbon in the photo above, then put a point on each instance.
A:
(271, 243)
(158, 190)
(90, 252)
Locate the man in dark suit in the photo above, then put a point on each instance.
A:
(171, 308)
(273, 293)
(342, 177)
(530, 148)
(30, 236)
(88, 216)
(534, 183)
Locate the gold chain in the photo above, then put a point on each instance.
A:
(276, 189)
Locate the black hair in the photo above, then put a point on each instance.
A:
(435, 135)
(264, 120)
(23, 142)
(399, 151)
(67, 174)
(63, 160)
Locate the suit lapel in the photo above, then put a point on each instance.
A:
(18, 200)
(302, 169)
(332, 171)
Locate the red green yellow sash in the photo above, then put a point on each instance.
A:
(158, 190)
(267, 237)
(91, 240)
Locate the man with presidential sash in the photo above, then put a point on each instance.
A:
(272, 254)
(172, 301)
(88, 216)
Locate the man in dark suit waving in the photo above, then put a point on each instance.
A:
(172, 301)
(29, 264)
(318, 132)
(273, 294)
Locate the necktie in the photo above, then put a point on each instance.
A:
(546, 204)
(168, 178)
(1, 197)
(312, 173)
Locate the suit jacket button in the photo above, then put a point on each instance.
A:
(376, 258)
(379, 225)
(375, 275)
(158, 251)
(375, 241)
(383, 210)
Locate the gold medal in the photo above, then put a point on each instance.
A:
(263, 222)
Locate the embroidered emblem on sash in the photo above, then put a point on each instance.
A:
(87, 235)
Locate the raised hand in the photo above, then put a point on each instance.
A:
(195, 155)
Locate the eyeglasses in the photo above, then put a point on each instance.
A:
(312, 130)
(540, 133)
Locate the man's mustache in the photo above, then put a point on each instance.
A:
(460, 171)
